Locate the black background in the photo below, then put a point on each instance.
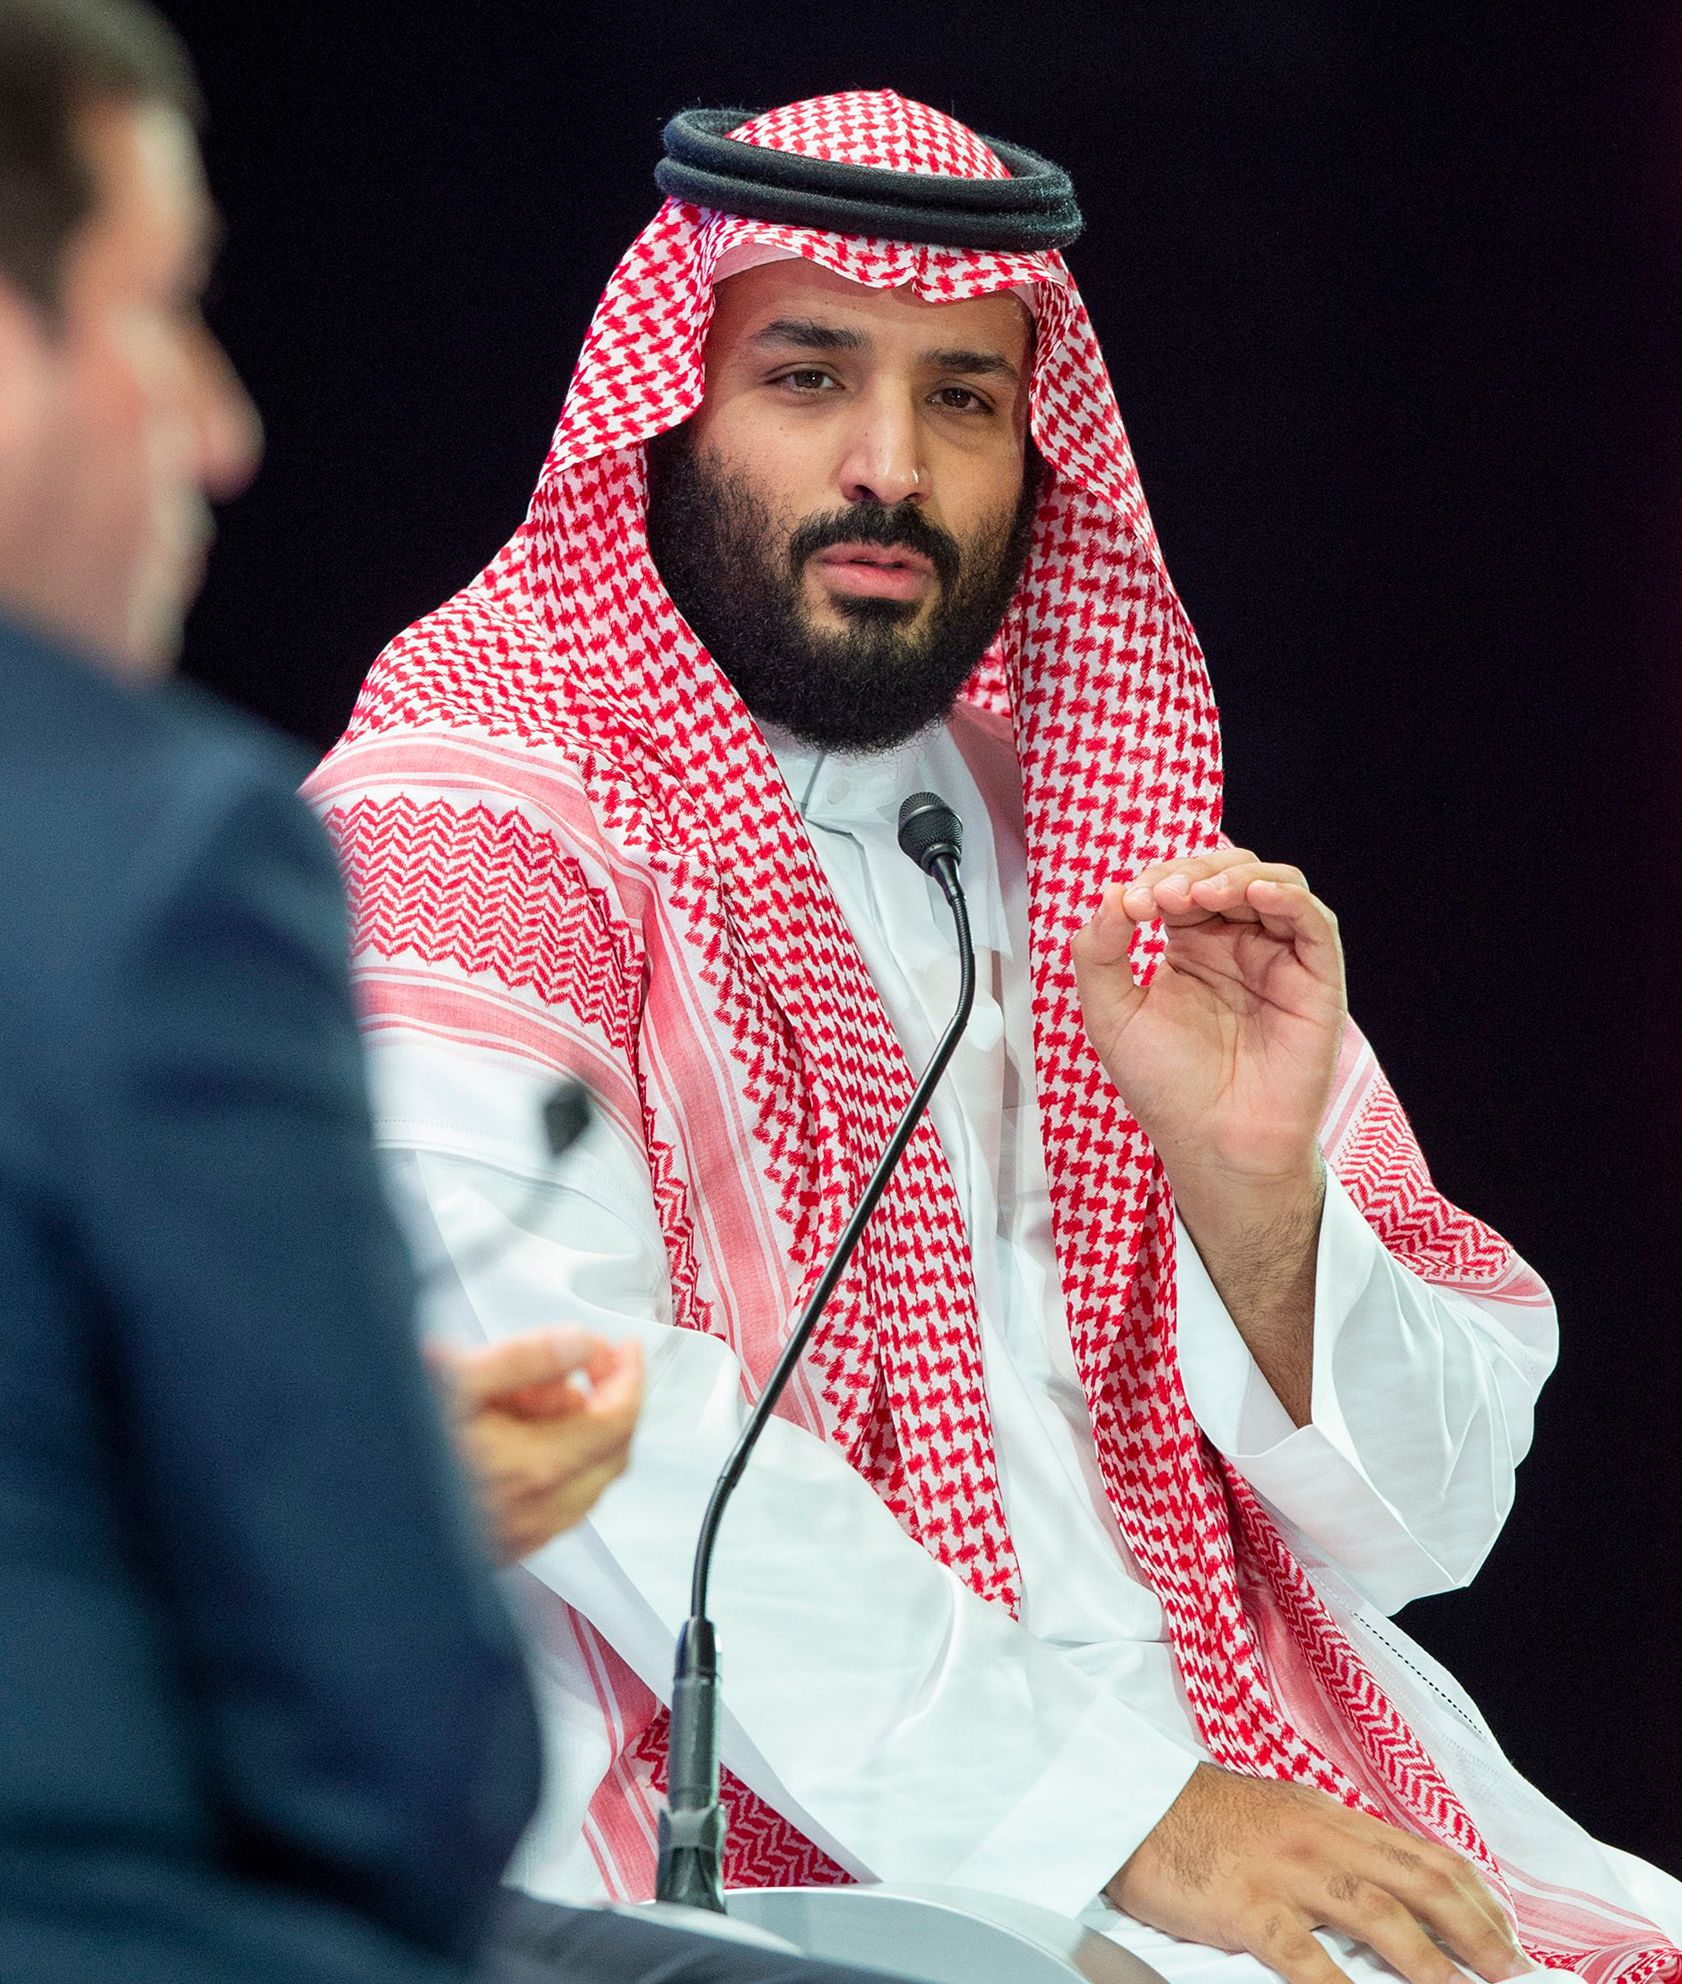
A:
(1393, 302)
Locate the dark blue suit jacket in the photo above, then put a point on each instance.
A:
(261, 1713)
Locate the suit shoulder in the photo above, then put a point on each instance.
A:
(87, 756)
(109, 799)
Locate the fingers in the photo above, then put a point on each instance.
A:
(605, 1358)
(526, 1525)
(616, 1390)
(1224, 885)
(537, 1478)
(540, 1359)
(1448, 1895)
(552, 1400)
(1285, 1941)
(541, 1445)
(1372, 1915)
(570, 1465)
(1194, 888)
(1106, 940)
(1110, 996)
(1286, 909)
(1248, 1863)
(1399, 1916)
(1176, 876)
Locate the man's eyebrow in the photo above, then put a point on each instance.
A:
(808, 334)
(978, 364)
(811, 334)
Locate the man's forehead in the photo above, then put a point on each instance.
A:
(745, 304)
(153, 186)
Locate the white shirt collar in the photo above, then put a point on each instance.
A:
(849, 790)
(859, 795)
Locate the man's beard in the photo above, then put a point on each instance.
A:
(736, 578)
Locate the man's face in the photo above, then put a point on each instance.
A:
(121, 420)
(845, 518)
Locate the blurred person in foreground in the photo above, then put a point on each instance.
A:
(226, 1502)
(262, 1714)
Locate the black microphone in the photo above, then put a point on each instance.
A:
(692, 1825)
(933, 836)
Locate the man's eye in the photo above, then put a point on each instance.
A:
(959, 399)
(808, 379)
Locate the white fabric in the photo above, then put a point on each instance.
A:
(914, 1731)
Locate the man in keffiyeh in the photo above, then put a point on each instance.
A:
(1163, 1375)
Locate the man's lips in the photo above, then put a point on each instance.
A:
(875, 571)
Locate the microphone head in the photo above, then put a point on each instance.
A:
(929, 831)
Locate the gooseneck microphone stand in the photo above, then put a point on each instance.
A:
(692, 1825)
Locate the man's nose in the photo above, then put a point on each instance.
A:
(229, 429)
(883, 459)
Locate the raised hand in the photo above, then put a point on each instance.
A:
(1226, 1058)
(1245, 1864)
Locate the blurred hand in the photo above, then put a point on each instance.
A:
(543, 1424)
(1246, 1864)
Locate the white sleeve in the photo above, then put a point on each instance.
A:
(908, 1727)
(1422, 1408)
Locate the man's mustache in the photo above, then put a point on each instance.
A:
(871, 523)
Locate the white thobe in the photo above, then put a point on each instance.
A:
(911, 1729)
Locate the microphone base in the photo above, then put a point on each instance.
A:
(692, 1859)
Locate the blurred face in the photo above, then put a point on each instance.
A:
(121, 421)
(844, 520)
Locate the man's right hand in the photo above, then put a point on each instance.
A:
(1247, 1864)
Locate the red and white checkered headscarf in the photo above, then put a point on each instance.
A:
(671, 858)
